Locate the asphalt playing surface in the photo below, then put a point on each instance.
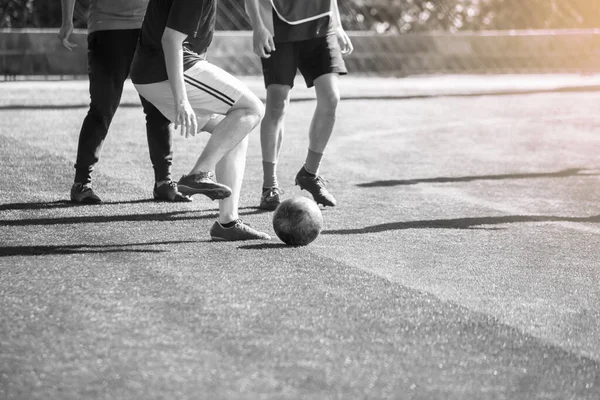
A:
(461, 263)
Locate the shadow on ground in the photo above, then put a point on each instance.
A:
(8, 251)
(461, 223)
(94, 219)
(559, 174)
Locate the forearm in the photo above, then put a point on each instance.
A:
(172, 47)
(67, 8)
(253, 11)
(335, 15)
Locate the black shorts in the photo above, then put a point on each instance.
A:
(313, 57)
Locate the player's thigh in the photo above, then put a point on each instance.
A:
(159, 94)
(281, 67)
(320, 56)
(110, 53)
(211, 91)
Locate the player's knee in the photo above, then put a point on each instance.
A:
(328, 103)
(277, 109)
(251, 105)
(257, 109)
(100, 116)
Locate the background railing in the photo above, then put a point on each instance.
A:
(398, 37)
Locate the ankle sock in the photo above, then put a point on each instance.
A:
(229, 224)
(313, 161)
(269, 174)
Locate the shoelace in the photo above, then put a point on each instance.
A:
(321, 181)
(239, 222)
(275, 190)
(206, 175)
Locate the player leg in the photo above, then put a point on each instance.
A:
(323, 120)
(109, 59)
(230, 171)
(160, 144)
(271, 138)
(321, 64)
(211, 91)
(279, 71)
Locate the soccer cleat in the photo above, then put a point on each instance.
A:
(269, 200)
(240, 231)
(203, 183)
(168, 192)
(315, 185)
(84, 194)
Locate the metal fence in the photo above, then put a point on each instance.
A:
(399, 37)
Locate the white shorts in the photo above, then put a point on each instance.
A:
(211, 92)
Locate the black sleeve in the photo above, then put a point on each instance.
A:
(185, 15)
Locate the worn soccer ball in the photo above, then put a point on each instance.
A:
(297, 221)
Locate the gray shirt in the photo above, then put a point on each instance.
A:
(116, 14)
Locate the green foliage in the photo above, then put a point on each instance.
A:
(383, 16)
(401, 16)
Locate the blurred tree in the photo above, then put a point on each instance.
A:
(38, 13)
(16, 13)
(383, 16)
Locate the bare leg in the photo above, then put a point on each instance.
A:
(230, 171)
(271, 128)
(321, 126)
(239, 121)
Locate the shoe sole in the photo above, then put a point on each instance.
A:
(213, 194)
(221, 239)
(268, 207)
(86, 201)
(329, 204)
(178, 199)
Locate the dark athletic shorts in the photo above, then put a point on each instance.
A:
(313, 57)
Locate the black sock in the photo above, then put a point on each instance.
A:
(308, 172)
(229, 224)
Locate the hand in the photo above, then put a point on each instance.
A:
(186, 118)
(263, 43)
(65, 32)
(345, 42)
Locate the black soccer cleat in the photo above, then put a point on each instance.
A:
(203, 183)
(83, 193)
(270, 198)
(315, 185)
(168, 192)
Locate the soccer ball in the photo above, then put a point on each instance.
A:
(297, 221)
